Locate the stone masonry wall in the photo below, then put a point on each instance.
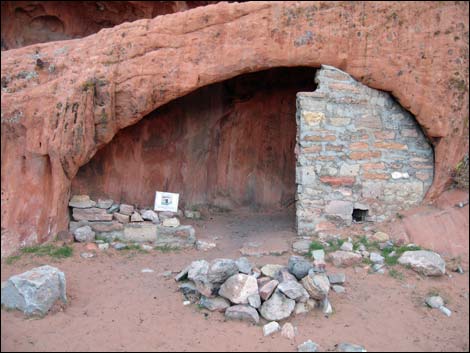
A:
(357, 148)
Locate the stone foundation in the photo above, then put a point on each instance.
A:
(360, 155)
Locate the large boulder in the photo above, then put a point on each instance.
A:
(278, 307)
(238, 288)
(197, 272)
(425, 262)
(220, 270)
(298, 266)
(34, 292)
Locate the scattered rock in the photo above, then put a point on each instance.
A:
(84, 234)
(301, 247)
(288, 331)
(186, 303)
(81, 201)
(35, 291)
(347, 347)
(271, 270)
(150, 215)
(254, 301)
(337, 278)
(298, 266)
(347, 246)
(147, 270)
(344, 258)
(318, 255)
(146, 247)
(338, 289)
(317, 285)
(445, 311)
(238, 288)
(192, 214)
(378, 268)
(271, 328)
(242, 312)
(136, 217)
(103, 246)
(267, 289)
(87, 255)
(119, 246)
(294, 290)
(214, 304)
(425, 262)
(435, 302)
(387, 245)
(380, 237)
(220, 270)
(278, 307)
(326, 307)
(376, 258)
(308, 346)
(203, 245)
(104, 203)
(122, 218)
(126, 209)
(171, 222)
(244, 265)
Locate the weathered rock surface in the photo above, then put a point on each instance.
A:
(278, 307)
(435, 302)
(337, 278)
(150, 215)
(81, 201)
(47, 178)
(140, 232)
(190, 291)
(136, 217)
(35, 291)
(220, 270)
(84, 234)
(284, 275)
(171, 222)
(270, 328)
(254, 301)
(267, 289)
(244, 265)
(214, 304)
(317, 285)
(344, 258)
(242, 312)
(176, 237)
(294, 290)
(426, 262)
(298, 266)
(197, 272)
(238, 288)
(104, 203)
(91, 214)
(271, 270)
(126, 209)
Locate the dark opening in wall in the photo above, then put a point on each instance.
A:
(359, 215)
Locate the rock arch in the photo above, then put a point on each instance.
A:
(62, 101)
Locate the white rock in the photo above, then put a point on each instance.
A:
(288, 331)
(171, 222)
(426, 262)
(398, 175)
(376, 258)
(347, 246)
(445, 311)
(238, 288)
(146, 270)
(103, 246)
(271, 328)
(435, 301)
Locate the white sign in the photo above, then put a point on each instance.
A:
(166, 201)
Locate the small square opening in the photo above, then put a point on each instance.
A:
(359, 215)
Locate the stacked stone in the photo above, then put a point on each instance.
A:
(108, 221)
(243, 292)
(357, 149)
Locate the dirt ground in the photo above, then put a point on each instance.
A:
(115, 307)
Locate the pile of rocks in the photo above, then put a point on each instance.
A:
(244, 292)
(108, 221)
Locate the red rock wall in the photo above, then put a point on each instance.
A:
(229, 144)
(65, 106)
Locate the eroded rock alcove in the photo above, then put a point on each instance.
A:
(229, 145)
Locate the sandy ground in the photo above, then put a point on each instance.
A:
(115, 307)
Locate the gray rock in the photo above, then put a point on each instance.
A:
(81, 201)
(298, 266)
(378, 268)
(91, 214)
(278, 307)
(220, 270)
(284, 275)
(303, 308)
(136, 217)
(87, 255)
(301, 247)
(34, 292)
(192, 214)
(271, 270)
(337, 278)
(171, 222)
(197, 272)
(254, 301)
(126, 209)
(244, 265)
(238, 288)
(140, 232)
(176, 237)
(242, 312)
(114, 208)
(425, 262)
(347, 246)
(119, 246)
(294, 290)
(317, 286)
(214, 304)
(318, 255)
(102, 203)
(347, 347)
(435, 302)
(122, 218)
(338, 289)
(150, 215)
(203, 245)
(308, 346)
(190, 292)
(267, 289)
(271, 328)
(387, 245)
(183, 274)
(84, 234)
(344, 258)
(445, 311)
(326, 307)
(376, 258)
